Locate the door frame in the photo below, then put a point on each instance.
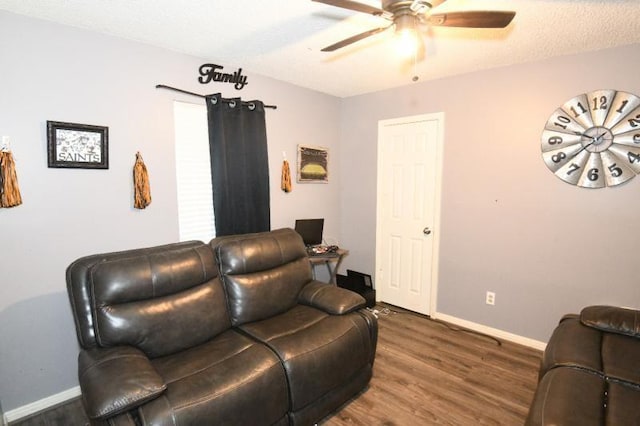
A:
(439, 117)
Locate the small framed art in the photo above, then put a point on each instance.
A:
(81, 146)
(313, 164)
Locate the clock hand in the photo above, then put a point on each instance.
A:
(585, 147)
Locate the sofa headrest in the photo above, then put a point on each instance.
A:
(248, 253)
(161, 299)
(263, 273)
(152, 275)
(77, 275)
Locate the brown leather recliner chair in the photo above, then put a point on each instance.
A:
(590, 371)
(235, 332)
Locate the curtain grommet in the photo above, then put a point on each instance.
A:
(252, 106)
(232, 104)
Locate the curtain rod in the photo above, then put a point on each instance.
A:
(162, 86)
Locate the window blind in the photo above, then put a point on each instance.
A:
(193, 173)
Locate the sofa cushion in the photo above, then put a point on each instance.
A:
(610, 354)
(621, 357)
(574, 397)
(230, 380)
(570, 397)
(78, 284)
(262, 273)
(159, 302)
(320, 352)
(573, 344)
(622, 404)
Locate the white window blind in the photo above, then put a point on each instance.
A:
(193, 172)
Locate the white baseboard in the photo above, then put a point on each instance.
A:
(43, 404)
(500, 334)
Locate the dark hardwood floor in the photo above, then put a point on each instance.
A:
(426, 373)
(431, 373)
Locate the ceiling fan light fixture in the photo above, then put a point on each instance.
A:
(407, 37)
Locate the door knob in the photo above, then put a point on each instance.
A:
(426, 231)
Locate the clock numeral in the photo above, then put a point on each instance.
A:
(558, 157)
(624, 103)
(603, 103)
(593, 174)
(553, 140)
(615, 170)
(635, 122)
(636, 138)
(572, 168)
(564, 120)
(633, 158)
(576, 113)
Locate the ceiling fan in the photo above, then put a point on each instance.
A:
(408, 15)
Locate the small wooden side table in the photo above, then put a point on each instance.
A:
(331, 260)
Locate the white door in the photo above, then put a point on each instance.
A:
(409, 170)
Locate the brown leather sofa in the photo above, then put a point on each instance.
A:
(235, 332)
(590, 371)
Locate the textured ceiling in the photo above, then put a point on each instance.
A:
(282, 38)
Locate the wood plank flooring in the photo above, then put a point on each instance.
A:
(425, 373)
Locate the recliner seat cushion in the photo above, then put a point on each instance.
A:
(230, 380)
(320, 352)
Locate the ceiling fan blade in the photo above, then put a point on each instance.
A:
(351, 40)
(352, 5)
(436, 3)
(472, 19)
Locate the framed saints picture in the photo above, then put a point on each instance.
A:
(83, 146)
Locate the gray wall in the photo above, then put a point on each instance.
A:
(508, 224)
(52, 72)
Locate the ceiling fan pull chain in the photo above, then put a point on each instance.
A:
(415, 65)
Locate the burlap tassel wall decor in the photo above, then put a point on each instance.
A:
(9, 190)
(142, 189)
(285, 181)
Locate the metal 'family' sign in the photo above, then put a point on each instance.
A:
(209, 73)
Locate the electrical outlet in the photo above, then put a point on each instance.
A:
(491, 298)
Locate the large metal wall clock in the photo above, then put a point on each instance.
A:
(593, 140)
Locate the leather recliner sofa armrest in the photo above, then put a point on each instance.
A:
(612, 319)
(331, 299)
(116, 380)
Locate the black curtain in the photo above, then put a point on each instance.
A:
(239, 165)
